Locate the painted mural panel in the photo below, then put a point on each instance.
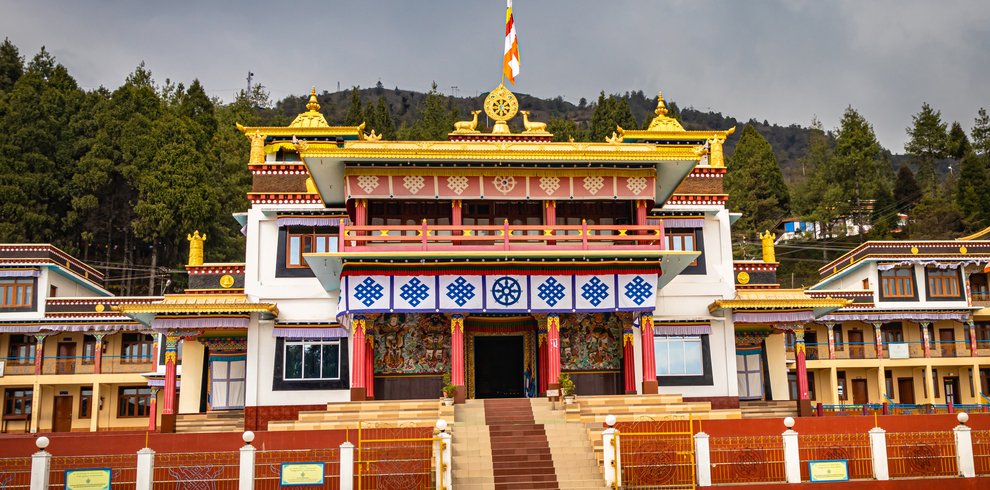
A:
(412, 343)
(592, 341)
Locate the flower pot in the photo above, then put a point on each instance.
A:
(447, 401)
(569, 399)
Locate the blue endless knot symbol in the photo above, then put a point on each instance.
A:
(460, 291)
(638, 290)
(506, 290)
(595, 291)
(368, 291)
(551, 291)
(415, 291)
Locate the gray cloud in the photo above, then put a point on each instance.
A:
(785, 61)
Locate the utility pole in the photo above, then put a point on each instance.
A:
(249, 77)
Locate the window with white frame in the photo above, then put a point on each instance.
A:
(311, 359)
(679, 356)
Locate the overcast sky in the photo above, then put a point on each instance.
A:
(784, 61)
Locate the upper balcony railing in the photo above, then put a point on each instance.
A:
(980, 297)
(78, 365)
(505, 237)
(892, 350)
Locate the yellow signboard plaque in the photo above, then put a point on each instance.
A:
(298, 474)
(828, 470)
(88, 479)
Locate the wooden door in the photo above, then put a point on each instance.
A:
(947, 341)
(951, 389)
(855, 344)
(62, 414)
(905, 391)
(860, 394)
(66, 362)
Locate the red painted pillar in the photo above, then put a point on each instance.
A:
(358, 392)
(369, 367)
(456, 213)
(39, 354)
(831, 340)
(361, 212)
(168, 402)
(628, 362)
(553, 352)
(152, 411)
(550, 218)
(925, 339)
(878, 339)
(98, 355)
(641, 212)
(804, 398)
(972, 339)
(542, 361)
(649, 355)
(457, 357)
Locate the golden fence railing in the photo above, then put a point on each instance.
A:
(752, 459)
(853, 448)
(15, 473)
(921, 454)
(268, 466)
(196, 471)
(123, 469)
(981, 451)
(395, 458)
(657, 454)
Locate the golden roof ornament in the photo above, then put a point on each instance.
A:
(501, 105)
(531, 126)
(467, 127)
(769, 255)
(663, 122)
(196, 248)
(313, 105)
(312, 118)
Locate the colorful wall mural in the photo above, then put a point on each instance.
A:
(412, 343)
(592, 341)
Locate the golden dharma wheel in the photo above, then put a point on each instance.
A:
(501, 104)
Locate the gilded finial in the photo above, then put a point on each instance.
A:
(769, 256)
(661, 107)
(313, 105)
(196, 248)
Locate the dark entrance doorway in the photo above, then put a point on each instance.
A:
(905, 390)
(62, 414)
(498, 366)
(860, 394)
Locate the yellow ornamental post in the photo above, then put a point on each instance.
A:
(196, 248)
(768, 252)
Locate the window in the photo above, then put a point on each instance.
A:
(898, 284)
(52, 291)
(843, 393)
(311, 359)
(304, 243)
(17, 293)
(943, 283)
(689, 240)
(85, 402)
(982, 334)
(22, 349)
(89, 350)
(134, 401)
(136, 347)
(17, 401)
(679, 356)
(889, 384)
(892, 332)
(792, 386)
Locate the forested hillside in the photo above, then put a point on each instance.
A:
(120, 176)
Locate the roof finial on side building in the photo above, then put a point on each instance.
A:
(313, 104)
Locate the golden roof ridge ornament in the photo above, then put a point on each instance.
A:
(312, 118)
(313, 105)
(501, 105)
(663, 122)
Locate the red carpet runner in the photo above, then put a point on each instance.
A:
(520, 453)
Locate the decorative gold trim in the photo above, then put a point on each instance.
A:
(501, 151)
(498, 172)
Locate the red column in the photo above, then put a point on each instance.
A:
(152, 411)
(641, 213)
(925, 339)
(878, 339)
(361, 212)
(457, 357)
(804, 399)
(649, 355)
(39, 353)
(456, 213)
(628, 362)
(542, 361)
(553, 352)
(358, 392)
(369, 367)
(550, 218)
(168, 401)
(972, 340)
(98, 355)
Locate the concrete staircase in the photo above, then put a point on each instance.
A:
(573, 454)
(398, 413)
(225, 421)
(471, 448)
(768, 409)
(521, 456)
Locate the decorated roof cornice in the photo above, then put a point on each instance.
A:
(47, 254)
(915, 249)
(216, 268)
(776, 299)
(309, 123)
(177, 304)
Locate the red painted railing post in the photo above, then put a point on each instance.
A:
(820, 409)
(426, 234)
(663, 237)
(951, 407)
(584, 234)
(505, 235)
(886, 409)
(343, 235)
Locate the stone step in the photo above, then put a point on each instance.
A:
(610, 400)
(383, 405)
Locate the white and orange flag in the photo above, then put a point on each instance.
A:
(510, 64)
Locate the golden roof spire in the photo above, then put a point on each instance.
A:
(313, 104)
(661, 107)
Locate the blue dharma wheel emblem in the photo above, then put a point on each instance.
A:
(506, 291)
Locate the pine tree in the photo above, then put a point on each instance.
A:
(927, 144)
(755, 185)
(971, 195)
(610, 113)
(981, 134)
(957, 144)
(436, 120)
(564, 129)
(906, 190)
(379, 118)
(195, 105)
(355, 112)
(819, 156)
(11, 65)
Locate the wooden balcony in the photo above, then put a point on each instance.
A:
(505, 237)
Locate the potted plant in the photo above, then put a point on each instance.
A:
(447, 390)
(567, 388)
